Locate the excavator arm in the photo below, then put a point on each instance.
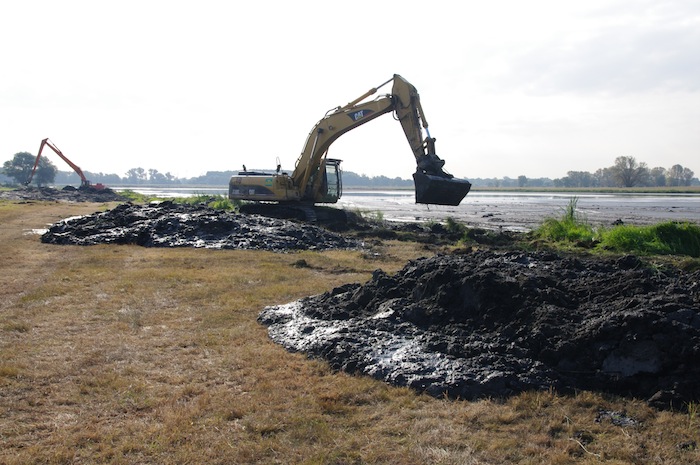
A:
(328, 130)
(46, 142)
(433, 184)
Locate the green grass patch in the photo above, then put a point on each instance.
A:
(571, 227)
(136, 197)
(454, 227)
(669, 238)
(218, 202)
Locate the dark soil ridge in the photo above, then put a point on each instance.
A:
(492, 323)
(67, 194)
(169, 224)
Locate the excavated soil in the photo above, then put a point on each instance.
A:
(466, 325)
(490, 323)
(67, 194)
(168, 224)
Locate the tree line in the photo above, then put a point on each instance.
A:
(628, 172)
(625, 172)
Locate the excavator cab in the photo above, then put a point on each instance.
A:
(332, 187)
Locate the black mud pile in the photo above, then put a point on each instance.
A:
(168, 224)
(67, 194)
(496, 323)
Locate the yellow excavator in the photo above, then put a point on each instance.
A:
(317, 178)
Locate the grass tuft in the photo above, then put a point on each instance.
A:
(669, 238)
(136, 197)
(9, 371)
(571, 227)
(217, 202)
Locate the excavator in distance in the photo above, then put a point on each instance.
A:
(317, 178)
(84, 183)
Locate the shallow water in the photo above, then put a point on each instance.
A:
(522, 211)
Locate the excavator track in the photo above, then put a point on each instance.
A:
(314, 214)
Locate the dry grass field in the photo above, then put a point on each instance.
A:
(124, 355)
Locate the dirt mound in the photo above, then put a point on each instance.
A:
(168, 224)
(492, 323)
(67, 194)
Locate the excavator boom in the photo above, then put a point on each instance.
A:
(432, 184)
(84, 183)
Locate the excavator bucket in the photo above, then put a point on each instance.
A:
(440, 190)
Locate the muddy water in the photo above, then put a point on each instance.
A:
(523, 211)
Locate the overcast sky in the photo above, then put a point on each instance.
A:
(510, 88)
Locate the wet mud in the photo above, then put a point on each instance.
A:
(169, 224)
(67, 194)
(494, 323)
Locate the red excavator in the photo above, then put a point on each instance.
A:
(84, 183)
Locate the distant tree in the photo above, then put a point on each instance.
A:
(604, 177)
(522, 181)
(677, 175)
(657, 176)
(136, 175)
(579, 179)
(539, 182)
(156, 176)
(629, 173)
(688, 176)
(20, 167)
(109, 179)
(45, 172)
(508, 182)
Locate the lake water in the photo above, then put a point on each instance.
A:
(518, 211)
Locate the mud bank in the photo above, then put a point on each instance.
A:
(67, 194)
(491, 323)
(168, 224)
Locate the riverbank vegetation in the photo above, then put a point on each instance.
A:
(666, 238)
